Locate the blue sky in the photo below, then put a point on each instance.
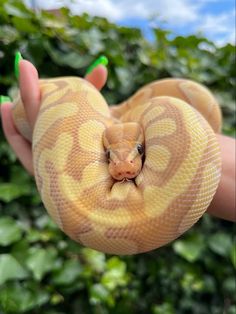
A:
(215, 19)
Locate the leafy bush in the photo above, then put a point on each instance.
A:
(41, 270)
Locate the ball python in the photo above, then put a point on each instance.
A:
(130, 178)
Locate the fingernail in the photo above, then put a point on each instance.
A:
(101, 60)
(18, 57)
(4, 99)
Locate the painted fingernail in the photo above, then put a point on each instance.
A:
(4, 99)
(101, 60)
(18, 57)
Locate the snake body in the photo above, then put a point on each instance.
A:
(178, 174)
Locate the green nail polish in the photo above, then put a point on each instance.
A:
(18, 57)
(101, 60)
(4, 99)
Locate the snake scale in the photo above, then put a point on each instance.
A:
(166, 130)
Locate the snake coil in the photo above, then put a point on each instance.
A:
(178, 179)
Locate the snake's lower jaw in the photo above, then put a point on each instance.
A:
(126, 176)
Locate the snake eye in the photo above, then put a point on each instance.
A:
(108, 154)
(140, 149)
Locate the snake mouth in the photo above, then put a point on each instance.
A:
(127, 169)
(131, 177)
(126, 180)
(128, 172)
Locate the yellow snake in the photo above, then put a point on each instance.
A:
(130, 178)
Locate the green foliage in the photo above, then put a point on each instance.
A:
(10, 268)
(41, 270)
(9, 231)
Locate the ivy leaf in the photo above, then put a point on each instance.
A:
(166, 308)
(40, 261)
(99, 293)
(68, 273)
(190, 249)
(220, 243)
(10, 231)
(95, 259)
(19, 10)
(233, 255)
(8, 34)
(24, 25)
(115, 274)
(70, 58)
(11, 191)
(18, 298)
(10, 268)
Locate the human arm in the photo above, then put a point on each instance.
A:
(223, 203)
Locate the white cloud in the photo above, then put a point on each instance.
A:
(45, 4)
(217, 24)
(181, 11)
(221, 27)
(103, 8)
(182, 14)
(171, 10)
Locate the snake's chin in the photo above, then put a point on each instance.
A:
(127, 180)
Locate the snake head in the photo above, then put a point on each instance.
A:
(124, 148)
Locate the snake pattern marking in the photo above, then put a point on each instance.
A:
(175, 184)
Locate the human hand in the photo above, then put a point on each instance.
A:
(30, 95)
(223, 204)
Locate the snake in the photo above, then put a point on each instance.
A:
(129, 178)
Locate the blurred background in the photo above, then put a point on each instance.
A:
(41, 270)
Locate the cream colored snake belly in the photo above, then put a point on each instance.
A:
(179, 171)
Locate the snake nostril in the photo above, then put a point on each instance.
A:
(131, 161)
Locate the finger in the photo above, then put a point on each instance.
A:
(29, 89)
(21, 146)
(98, 77)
